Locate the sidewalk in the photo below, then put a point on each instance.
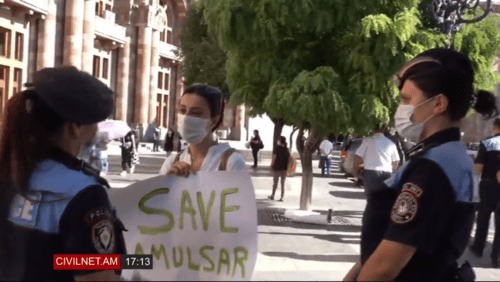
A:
(292, 250)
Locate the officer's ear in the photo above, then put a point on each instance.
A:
(73, 130)
(440, 104)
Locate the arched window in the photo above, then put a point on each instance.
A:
(166, 33)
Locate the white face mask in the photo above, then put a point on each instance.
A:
(405, 126)
(192, 129)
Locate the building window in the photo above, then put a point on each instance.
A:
(160, 80)
(4, 42)
(163, 36)
(166, 81)
(96, 66)
(158, 109)
(105, 68)
(4, 73)
(18, 80)
(169, 37)
(19, 46)
(165, 110)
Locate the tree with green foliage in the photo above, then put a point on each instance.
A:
(329, 63)
(203, 61)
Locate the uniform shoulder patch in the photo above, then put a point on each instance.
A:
(102, 231)
(406, 206)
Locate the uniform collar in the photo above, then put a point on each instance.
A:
(438, 138)
(61, 156)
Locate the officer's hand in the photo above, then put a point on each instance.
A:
(498, 176)
(181, 169)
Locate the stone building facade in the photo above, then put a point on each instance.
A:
(128, 44)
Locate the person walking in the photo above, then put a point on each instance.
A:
(200, 113)
(156, 137)
(51, 202)
(101, 147)
(325, 149)
(129, 152)
(487, 163)
(419, 225)
(279, 166)
(380, 158)
(169, 142)
(256, 145)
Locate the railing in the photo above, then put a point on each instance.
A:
(110, 30)
(167, 50)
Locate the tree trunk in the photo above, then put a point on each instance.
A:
(310, 147)
(278, 127)
(291, 138)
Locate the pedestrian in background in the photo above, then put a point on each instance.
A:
(200, 113)
(487, 163)
(325, 149)
(380, 158)
(169, 142)
(156, 137)
(52, 202)
(256, 145)
(101, 147)
(419, 225)
(129, 152)
(279, 166)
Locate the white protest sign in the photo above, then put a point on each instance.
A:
(203, 227)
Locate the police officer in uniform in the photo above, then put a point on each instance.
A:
(419, 224)
(52, 202)
(488, 163)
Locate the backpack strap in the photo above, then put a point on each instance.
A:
(225, 157)
(178, 156)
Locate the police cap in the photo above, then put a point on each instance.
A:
(74, 95)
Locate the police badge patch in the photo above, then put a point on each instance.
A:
(406, 206)
(103, 237)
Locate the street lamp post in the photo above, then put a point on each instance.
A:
(449, 13)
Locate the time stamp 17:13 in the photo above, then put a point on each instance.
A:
(137, 262)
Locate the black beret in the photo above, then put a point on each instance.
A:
(74, 95)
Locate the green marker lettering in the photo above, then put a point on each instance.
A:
(157, 254)
(191, 265)
(224, 209)
(178, 264)
(205, 256)
(148, 210)
(138, 249)
(186, 199)
(205, 214)
(223, 259)
(240, 260)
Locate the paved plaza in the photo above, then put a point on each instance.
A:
(307, 247)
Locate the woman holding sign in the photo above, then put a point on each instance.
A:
(51, 202)
(201, 111)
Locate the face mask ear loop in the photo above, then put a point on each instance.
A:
(433, 115)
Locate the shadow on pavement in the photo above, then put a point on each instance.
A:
(348, 195)
(344, 184)
(335, 238)
(328, 258)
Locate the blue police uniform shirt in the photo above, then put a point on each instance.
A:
(426, 204)
(68, 212)
(489, 156)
